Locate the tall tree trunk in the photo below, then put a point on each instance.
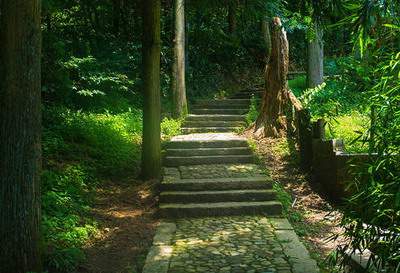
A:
(151, 146)
(315, 64)
(232, 23)
(178, 69)
(271, 121)
(20, 136)
(187, 27)
(265, 30)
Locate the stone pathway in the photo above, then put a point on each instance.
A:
(220, 210)
(227, 244)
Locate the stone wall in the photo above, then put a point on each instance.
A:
(331, 166)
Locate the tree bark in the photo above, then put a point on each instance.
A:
(20, 136)
(178, 69)
(315, 64)
(265, 30)
(151, 146)
(271, 121)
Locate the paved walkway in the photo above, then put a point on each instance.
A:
(219, 208)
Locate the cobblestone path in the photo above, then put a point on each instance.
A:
(219, 207)
(227, 244)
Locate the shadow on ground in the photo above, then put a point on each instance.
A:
(125, 214)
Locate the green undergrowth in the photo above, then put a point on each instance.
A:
(350, 128)
(81, 150)
(339, 105)
(297, 85)
(252, 115)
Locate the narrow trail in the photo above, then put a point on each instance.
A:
(219, 208)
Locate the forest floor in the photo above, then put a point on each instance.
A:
(312, 215)
(124, 212)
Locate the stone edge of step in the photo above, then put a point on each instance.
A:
(205, 196)
(255, 182)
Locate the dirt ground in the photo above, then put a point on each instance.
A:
(320, 218)
(125, 214)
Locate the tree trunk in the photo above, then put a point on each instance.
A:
(20, 136)
(315, 65)
(265, 29)
(271, 121)
(187, 27)
(178, 69)
(232, 24)
(151, 146)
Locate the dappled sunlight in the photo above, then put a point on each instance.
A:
(241, 242)
(124, 212)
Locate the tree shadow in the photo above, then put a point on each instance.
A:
(124, 212)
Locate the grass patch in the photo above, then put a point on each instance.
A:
(350, 128)
(298, 85)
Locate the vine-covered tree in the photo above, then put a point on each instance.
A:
(151, 147)
(20, 136)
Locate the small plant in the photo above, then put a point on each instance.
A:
(170, 127)
(253, 113)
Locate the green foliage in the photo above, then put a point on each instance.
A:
(80, 150)
(90, 84)
(339, 101)
(170, 127)
(65, 203)
(298, 85)
(109, 141)
(253, 113)
(350, 128)
(372, 215)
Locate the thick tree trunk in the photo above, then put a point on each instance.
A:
(232, 24)
(265, 30)
(187, 27)
(271, 121)
(315, 65)
(178, 69)
(151, 147)
(20, 136)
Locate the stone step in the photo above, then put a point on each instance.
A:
(217, 106)
(241, 183)
(213, 123)
(215, 118)
(210, 140)
(172, 210)
(191, 130)
(207, 144)
(175, 161)
(207, 111)
(247, 95)
(216, 196)
(225, 102)
(209, 151)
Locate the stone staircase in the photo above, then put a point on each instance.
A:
(220, 115)
(209, 170)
